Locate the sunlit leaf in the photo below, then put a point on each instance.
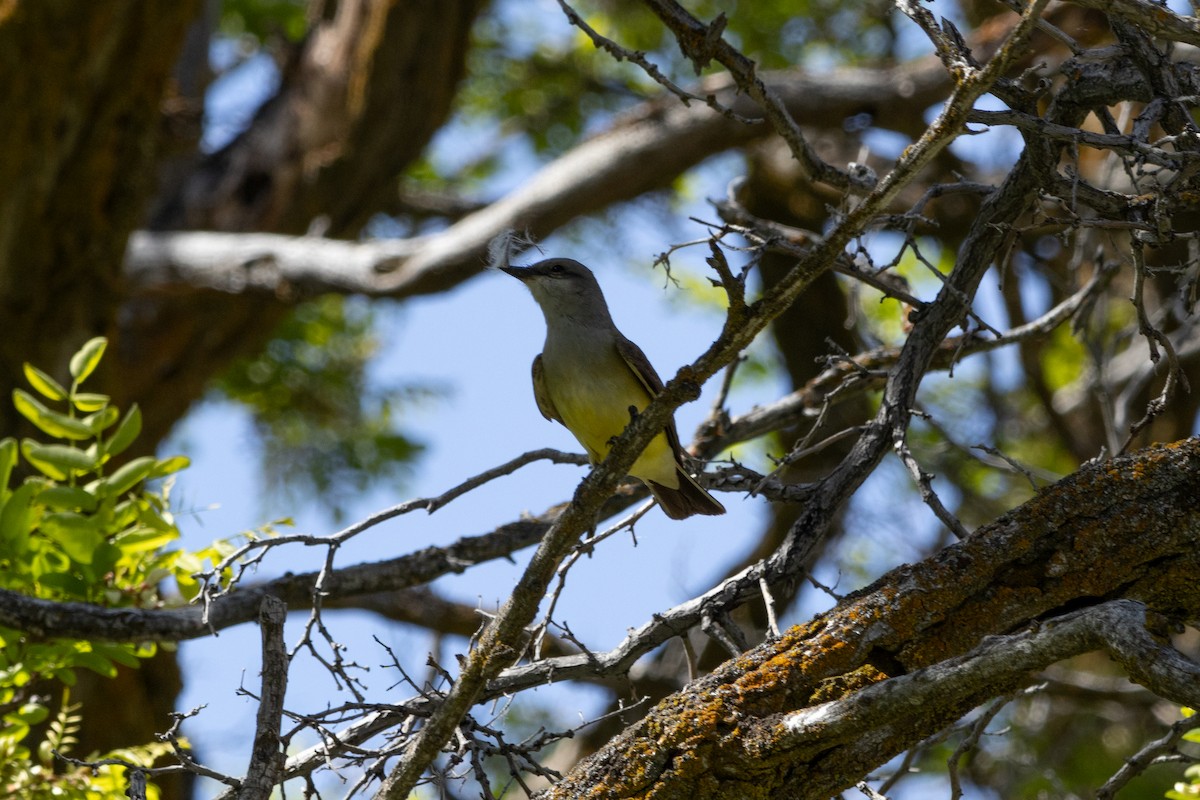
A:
(127, 476)
(104, 418)
(15, 729)
(126, 432)
(76, 534)
(68, 498)
(46, 385)
(58, 460)
(153, 518)
(60, 426)
(17, 514)
(124, 514)
(84, 362)
(8, 459)
(167, 466)
(141, 540)
(89, 401)
(29, 714)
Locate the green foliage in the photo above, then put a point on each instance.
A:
(77, 529)
(775, 33)
(326, 431)
(551, 93)
(1187, 790)
(32, 776)
(261, 20)
(547, 93)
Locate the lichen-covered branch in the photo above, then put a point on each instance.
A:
(766, 724)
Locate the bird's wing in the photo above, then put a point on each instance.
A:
(637, 361)
(544, 403)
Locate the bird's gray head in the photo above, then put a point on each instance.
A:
(566, 290)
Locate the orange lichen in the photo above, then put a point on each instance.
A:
(839, 686)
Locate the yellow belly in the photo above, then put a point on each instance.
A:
(596, 410)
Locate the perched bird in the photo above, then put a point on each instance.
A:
(593, 380)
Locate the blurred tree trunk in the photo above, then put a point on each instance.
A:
(79, 166)
(107, 141)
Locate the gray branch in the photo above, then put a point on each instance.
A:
(1117, 627)
(266, 754)
(645, 151)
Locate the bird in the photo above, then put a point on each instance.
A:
(593, 380)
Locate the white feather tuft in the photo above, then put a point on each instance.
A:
(505, 246)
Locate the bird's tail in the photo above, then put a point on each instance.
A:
(690, 498)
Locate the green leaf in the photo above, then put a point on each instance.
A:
(14, 729)
(85, 361)
(106, 416)
(90, 401)
(140, 540)
(48, 559)
(47, 468)
(152, 518)
(188, 563)
(188, 587)
(124, 514)
(68, 583)
(105, 558)
(120, 653)
(58, 461)
(30, 714)
(60, 426)
(46, 386)
(96, 663)
(146, 649)
(68, 498)
(17, 515)
(76, 534)
(17, 675)
(127, 476)
(167, 466)
(8, 458)
(126, 432)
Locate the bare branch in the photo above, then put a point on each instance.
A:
(1137, 763)
(266, 755)
(703, 43)
(642, 152)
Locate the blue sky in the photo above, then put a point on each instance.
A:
(487, 417)
(477, 343)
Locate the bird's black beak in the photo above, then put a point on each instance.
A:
(520, 273)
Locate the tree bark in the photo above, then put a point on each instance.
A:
(78, 167)
(358, 103)
(1121, 529)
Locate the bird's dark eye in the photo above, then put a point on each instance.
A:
(557, 268)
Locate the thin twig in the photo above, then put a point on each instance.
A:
(1137, 763)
